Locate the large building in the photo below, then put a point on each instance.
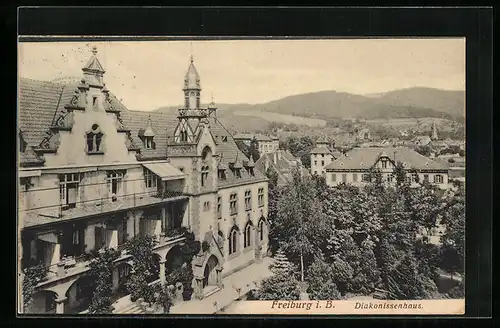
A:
(94, 174)
(354, 167)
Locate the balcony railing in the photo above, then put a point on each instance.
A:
(164, 194)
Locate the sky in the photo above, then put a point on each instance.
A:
(146, 75)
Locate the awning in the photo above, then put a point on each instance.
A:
(165, 171)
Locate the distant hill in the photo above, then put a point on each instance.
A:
(450, 102)
(404, 103)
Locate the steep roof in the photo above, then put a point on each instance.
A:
(40, 103)
(283, 165)
(364, 158)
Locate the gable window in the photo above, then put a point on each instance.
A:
(247, 238)
(219, 207)
(206, 206)
(261, 230)
(233, 241)
(149, 143)
(114, 181)
(438, 178)
(68, 189)
(260, 197)
(183, 135)
(149, 178)
(222, 174)
(384, 163)
(94, 139)
(233, 204)
(204, 176)
(248, 200)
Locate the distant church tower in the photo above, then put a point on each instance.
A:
(434, 133)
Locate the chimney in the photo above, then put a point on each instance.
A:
(266, 164)
(275, 156)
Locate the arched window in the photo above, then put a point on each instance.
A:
(233, 241)
(204, 175)
(206, 152)
(247, 240)
(261, 230)
(94, 138)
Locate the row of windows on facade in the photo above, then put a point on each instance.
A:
(438, 178)
(247, 236)
(233, 202)
(236, 172)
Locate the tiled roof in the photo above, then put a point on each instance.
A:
(283, 165)
(261, 137)
(364, 158)
(243, 136)
(320, 150)
(40, 103)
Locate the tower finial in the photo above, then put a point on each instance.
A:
(212, 95)
(94, 50)
(191, 59)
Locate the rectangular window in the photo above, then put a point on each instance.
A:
(322, 163)
(149, 178)
(355, 177)
(315, 162)
(233, 204)
(384, 163)
(389, 178)
(219, 207)
(322, 155)
(206, 206)
(260, 197)
(438, 178)
(414, 177)
(248, 200)
(426, 177)
(94, 102)
(148, 143)
(344, 178)
(114, 181)
(68, 189)
(222, 175)
(334, 177)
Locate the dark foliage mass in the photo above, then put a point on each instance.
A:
(359, 239)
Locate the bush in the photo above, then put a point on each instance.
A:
(281, 286)
(457, 291)
(320, 278)
(185, 276)
(33, 275)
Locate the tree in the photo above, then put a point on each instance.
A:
(301, 231)
(101, 279)
(282, 285)
(272, 175)
(320, 279)
(33, 275)
(141, 250)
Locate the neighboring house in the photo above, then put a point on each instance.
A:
(283, 163)
(321, 156)
(266, 144)
(421, 140)
(364, 135)
(94, 174)
(354, 167)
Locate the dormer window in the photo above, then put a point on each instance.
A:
(149, 143)
(94, 140)
(237, 172)
(222, 174)
(184, 136)
(224, 138)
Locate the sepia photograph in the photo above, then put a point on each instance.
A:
(241, 176)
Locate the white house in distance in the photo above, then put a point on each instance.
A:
(353, 168)
(321, 156)
(266, 144)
